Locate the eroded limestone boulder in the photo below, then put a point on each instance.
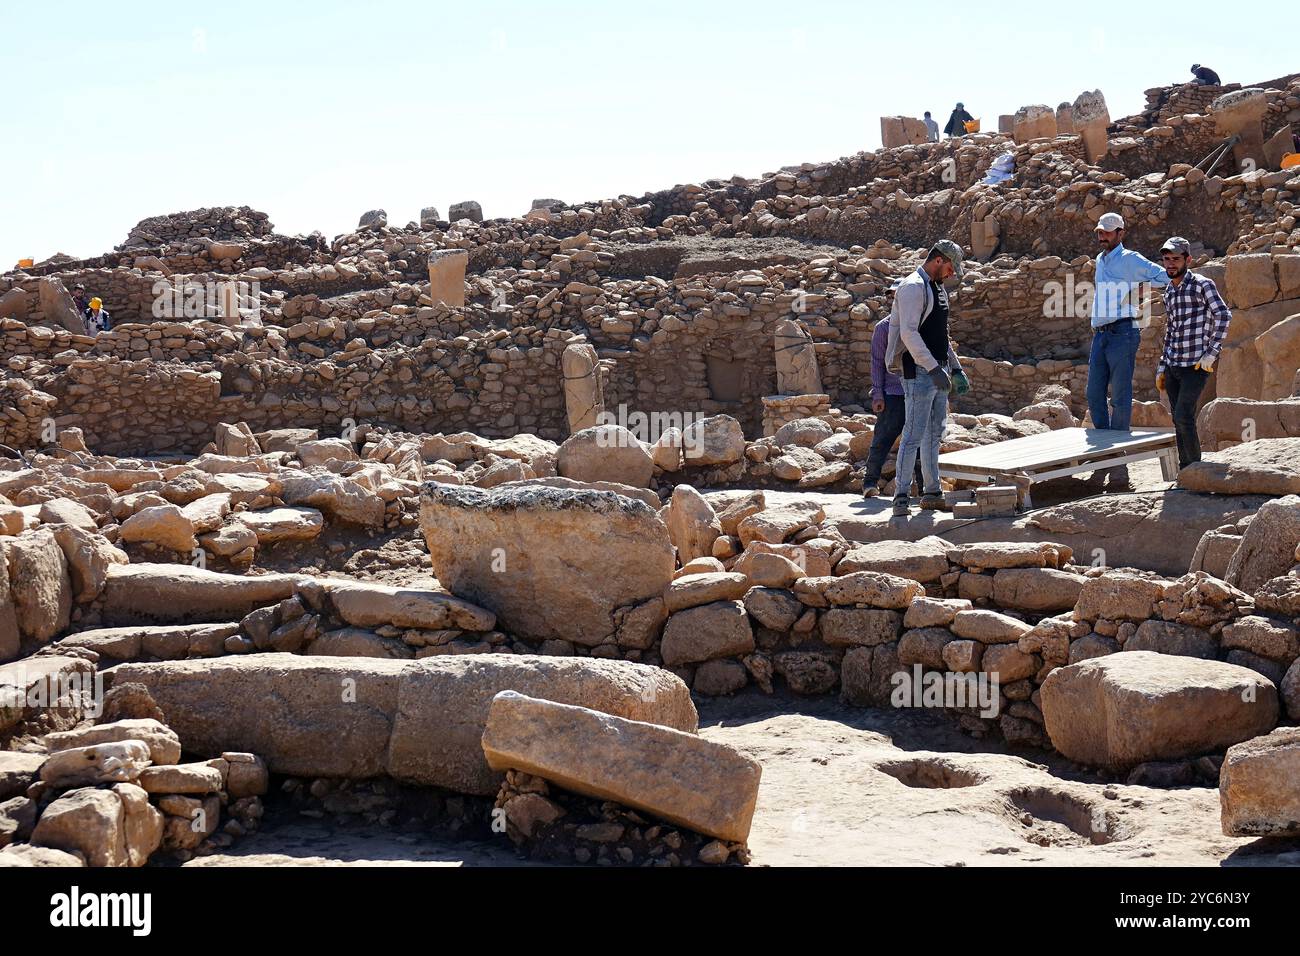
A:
(1125, 709)
(549, 562)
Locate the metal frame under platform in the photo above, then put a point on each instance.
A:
(1054, 454)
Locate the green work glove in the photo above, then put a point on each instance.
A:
(960, 383)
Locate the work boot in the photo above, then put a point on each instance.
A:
(870, 487)
(934, 503)
(901, 508)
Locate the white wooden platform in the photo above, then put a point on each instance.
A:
(1054, 454)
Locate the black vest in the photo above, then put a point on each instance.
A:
(934, 332)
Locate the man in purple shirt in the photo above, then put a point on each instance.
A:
(889, 407)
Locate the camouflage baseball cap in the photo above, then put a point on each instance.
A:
(950, 251)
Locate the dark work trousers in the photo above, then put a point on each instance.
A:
(1184, 387)
(889, 425)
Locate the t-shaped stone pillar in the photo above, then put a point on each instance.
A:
(1034, 122)
(1065, 119)
(1091, 119)
(447, 276)
(1240, 113)
(583, 397)
(902, 131)
(796, 360)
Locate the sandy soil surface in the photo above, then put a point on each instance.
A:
(847, 786)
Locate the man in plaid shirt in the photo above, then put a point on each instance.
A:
(1196, 322)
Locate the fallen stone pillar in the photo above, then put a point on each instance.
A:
(708, 787)
(182, 594)
(447, 276)
(358, 717)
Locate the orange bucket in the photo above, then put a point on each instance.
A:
(26, 263)
(1291, 160)
(972, 126)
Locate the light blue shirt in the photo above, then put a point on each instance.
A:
(1118, 273)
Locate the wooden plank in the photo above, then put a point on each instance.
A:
(1056, 448)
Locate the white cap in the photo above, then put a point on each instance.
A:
(1110, 222)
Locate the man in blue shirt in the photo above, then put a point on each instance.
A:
(1115, 335)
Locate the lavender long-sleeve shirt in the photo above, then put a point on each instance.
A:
(883, 381)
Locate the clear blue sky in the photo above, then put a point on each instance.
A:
(316, 112)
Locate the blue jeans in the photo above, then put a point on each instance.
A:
(926, 411)
(1110, 369)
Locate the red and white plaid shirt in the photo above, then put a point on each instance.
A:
(1196, 322)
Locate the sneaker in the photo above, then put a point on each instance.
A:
(870, 487)
(901, 508)
(934, 503)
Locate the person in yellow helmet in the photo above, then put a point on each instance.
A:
(97, 317)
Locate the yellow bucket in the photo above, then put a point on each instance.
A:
(1291, 160)
(972, 126)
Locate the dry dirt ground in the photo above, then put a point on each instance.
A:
(848, 786)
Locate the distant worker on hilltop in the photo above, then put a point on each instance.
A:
(1205, 76)
(931, 128)
(957, 121)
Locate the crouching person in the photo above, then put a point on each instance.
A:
(918, 333)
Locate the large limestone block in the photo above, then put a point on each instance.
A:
(1250, 280)
(447, 276)
(373, 605)
(121, 760)
(1036, 589)
(282, 524)
(1259, 786)
(164, 525)
(39, 585)
(682, 778)
(164, 746)
(89, 822)
(1125, 709)
(51, 692)
(703, 633)
(1279, 349)
(549, 562)
(180, 593)
(57, 305)
(340, 498)
(1234, 419)
(692, 524)
(309, 716)
(1121, 595)
(1267, 549)
(925, 560)
(443, 706)
(606, 453)
(716, 440)
(89, 555)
